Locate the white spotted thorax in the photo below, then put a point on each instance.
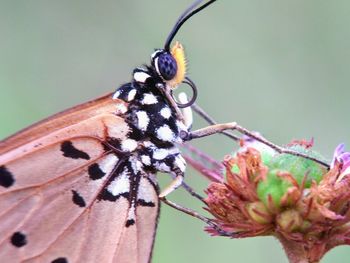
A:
(154, 126)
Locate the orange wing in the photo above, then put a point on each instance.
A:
(52, 177)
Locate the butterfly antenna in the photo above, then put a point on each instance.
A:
(190, 11)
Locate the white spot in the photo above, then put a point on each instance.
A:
(136, 165)
(128, 145)
(180, 163)
(120, 184)
(160, 154)
(143, 120)
(149, 99)
(145, 191)
(108, 163)
(145, 160)
(148, 144)
(174, 150)
(131, 213)
(165, 133)
(162, 167)
(165, 112)
(131, 95)
(181, 126)
(116, 94)
(121, 108)
(141, 76)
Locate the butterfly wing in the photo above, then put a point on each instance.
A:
(53, 206)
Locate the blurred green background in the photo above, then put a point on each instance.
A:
(278, 67)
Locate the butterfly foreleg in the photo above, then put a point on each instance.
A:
(177, 165)
(168, 160)
(210, 130)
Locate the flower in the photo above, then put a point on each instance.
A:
(301, 202)
(342, 158)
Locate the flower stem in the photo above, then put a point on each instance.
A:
(295, 251)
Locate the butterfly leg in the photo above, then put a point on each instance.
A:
(212, 129)
(177, 166)
(172, 186)
(195, 214)
(168, 160)
(193, 192)
(211, 121)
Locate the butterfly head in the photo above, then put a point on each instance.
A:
(170, 65)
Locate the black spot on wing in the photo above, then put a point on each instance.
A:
(6, 178)
(108, 196)
(18, 239)
(70, 151)
(142, 202)
(59, 260)
(95, 172)
(129, 222)
(78, 199)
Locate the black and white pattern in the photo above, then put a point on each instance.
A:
(150, 143)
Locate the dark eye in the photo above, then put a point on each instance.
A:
(167, 66)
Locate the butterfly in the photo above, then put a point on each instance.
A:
(80, 186)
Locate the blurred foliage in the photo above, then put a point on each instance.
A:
(279, 67)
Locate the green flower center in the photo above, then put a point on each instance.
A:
(298, 167)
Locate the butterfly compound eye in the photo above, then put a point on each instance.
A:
(166, 65)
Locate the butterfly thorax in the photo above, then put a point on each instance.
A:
(154, 127)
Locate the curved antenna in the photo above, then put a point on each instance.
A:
(183, 18)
